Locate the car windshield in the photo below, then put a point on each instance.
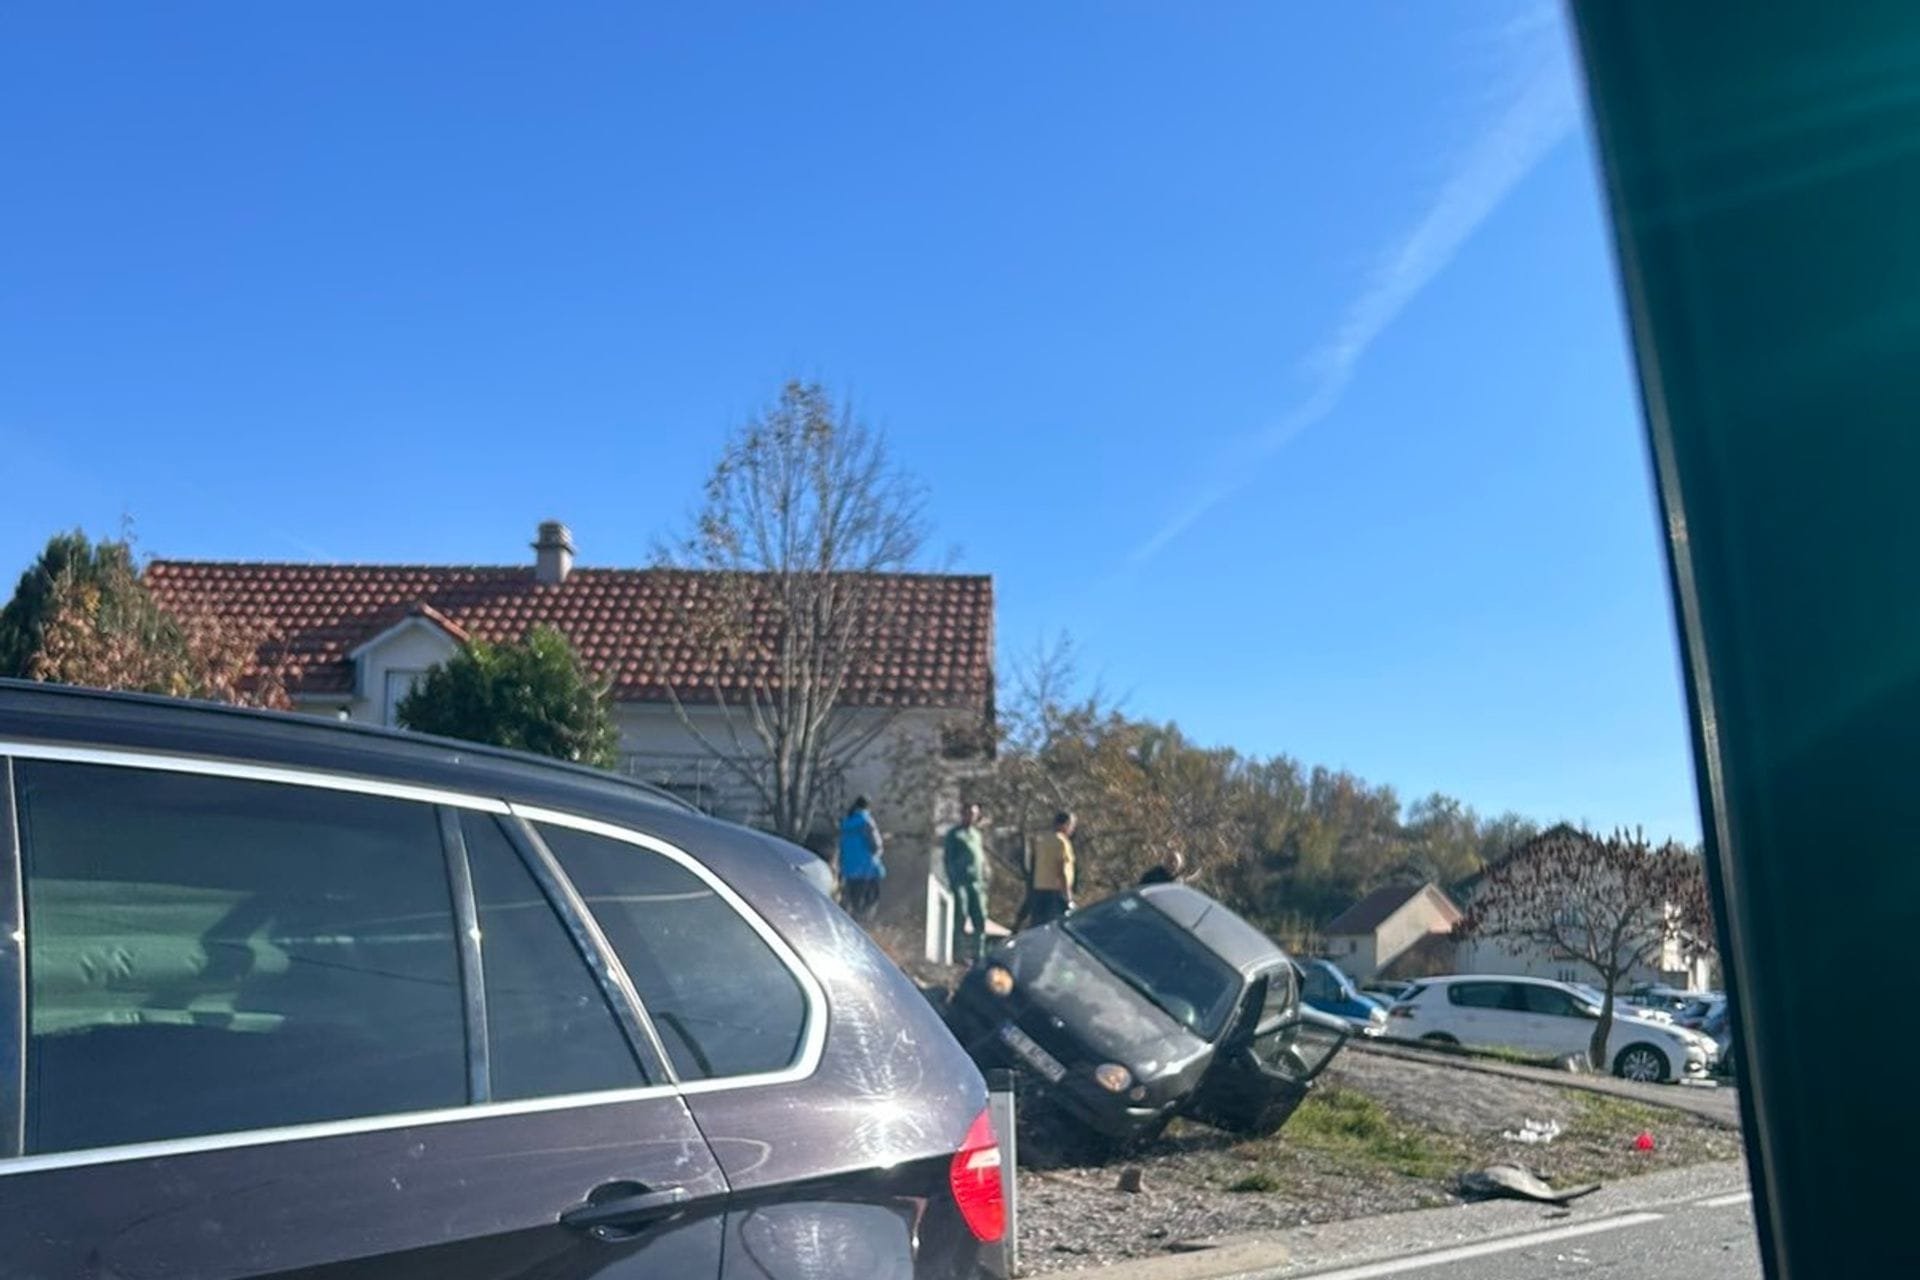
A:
(1162, 961)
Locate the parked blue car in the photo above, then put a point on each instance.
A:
(1325, 986)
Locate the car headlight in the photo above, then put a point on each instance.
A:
(1113, 1077)
(999, 980)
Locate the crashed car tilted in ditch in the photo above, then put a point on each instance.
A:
(1158, 1002)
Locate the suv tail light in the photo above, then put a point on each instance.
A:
(975, 1177)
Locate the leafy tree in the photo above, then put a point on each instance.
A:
(82, 615)
(1443, 838)
(801, 512)
(1502, 835)
(1286, 844)
(534, 696)
(70, 558)
(1607, 904)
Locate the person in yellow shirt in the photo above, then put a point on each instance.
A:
(1052, 895)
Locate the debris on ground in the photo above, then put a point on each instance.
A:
(1511, 1182)
(1379, 1134)
(1644, 1142)
(1533, 1132)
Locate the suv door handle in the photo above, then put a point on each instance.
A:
(615, 1208)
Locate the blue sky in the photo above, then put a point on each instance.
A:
(1272, 351)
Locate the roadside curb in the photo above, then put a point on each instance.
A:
(1717, 1106)
(1242, 1258)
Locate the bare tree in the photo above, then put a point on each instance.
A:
(1607, 904)
(802, 513)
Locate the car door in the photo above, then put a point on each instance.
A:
(1269, 1058)
(275, 1023)
(1487, 1014)
(815, 1191)
(1555, 1022)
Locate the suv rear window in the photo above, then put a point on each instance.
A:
(549, 1028)
(723, 1002)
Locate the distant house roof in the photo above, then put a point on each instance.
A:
(1367, 914)
(933, 646)
(1376, 908)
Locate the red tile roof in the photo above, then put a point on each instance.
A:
(935, 647)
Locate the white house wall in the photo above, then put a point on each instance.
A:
(657, 745)
(1489, 956)
(412, 648)
(1419, 916)
(1354, 953)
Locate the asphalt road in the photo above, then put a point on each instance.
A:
(1707, 1239)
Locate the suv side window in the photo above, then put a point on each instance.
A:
(549, 1028)
(207, 955)
(1480, 995)
(723, 1002)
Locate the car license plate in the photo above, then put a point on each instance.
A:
(1032, 1054)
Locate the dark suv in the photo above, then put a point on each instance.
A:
(283, 995)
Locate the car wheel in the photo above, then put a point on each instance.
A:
(1439, 1037)
(1641, 1062)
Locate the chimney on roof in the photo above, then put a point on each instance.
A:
(553, 554)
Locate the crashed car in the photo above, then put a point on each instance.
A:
(1156, 1003)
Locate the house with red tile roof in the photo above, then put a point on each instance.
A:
(354, 639)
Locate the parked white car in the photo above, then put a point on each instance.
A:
(1538, 1016)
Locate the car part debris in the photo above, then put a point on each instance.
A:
(1534, 1132)
(1510, 1181)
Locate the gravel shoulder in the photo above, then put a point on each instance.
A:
(1381, 1134)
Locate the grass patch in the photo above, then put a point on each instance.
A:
(1349, 1125)
(1264, 1181)
(1604, 1117)
(1518, 1057)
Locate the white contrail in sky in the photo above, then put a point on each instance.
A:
(1540, 113)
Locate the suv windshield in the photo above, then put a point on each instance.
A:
(1163, 962)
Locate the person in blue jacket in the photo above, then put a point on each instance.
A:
(861, 867)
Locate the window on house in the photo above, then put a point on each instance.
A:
(208, 955)
(399, 685)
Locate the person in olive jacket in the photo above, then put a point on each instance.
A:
(967, 876)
